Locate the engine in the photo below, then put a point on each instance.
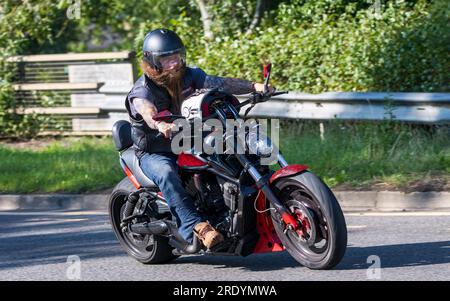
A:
(215, 199)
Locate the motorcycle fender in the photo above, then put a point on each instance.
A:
(287, 171)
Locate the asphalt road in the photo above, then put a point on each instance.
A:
(38, 245)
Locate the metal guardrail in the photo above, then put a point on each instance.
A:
(408, 107)
(95, 86)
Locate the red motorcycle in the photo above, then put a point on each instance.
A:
(257, 209)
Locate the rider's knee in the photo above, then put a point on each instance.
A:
(167, 172)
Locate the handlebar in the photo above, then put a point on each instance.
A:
(256, 97)
(160, 135)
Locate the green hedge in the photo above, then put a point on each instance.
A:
(333, 45)
(28, 27)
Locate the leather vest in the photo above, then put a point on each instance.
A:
(144, 137)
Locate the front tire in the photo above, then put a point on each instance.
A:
(148, 249)
(322, 240)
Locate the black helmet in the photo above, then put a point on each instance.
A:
(159, 43)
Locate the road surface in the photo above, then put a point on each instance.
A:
(45, 245)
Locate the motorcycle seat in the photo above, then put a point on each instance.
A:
(121, 133)
(131, 160)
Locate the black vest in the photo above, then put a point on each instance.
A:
(144, 137)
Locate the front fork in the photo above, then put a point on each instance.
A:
(263, 184)
(261, 181)
(281, 161)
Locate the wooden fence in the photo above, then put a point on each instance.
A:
(69, 86)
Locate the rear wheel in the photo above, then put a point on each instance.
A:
(320, 240)
(149, 249)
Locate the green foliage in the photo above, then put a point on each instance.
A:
(330, 45)
(315, 46)
(27, 27)
(100, 18)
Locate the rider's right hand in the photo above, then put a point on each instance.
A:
(165, 128)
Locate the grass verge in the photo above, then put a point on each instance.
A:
(382, 156)
(368, 155)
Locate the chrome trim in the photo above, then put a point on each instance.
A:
(282, 161)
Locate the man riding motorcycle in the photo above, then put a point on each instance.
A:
(166, 82)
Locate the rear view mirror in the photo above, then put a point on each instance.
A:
(266, 74)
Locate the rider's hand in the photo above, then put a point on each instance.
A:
(260, 88)
(165, 128)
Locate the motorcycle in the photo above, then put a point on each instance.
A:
(257, 210)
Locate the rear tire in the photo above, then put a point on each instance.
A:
(137, 246)
(324, 245)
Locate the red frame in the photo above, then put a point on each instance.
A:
(131, 177)
(268, 238)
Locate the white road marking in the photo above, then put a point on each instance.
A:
(54, 222)
(53, 213)
(356, 226)
(412, 213)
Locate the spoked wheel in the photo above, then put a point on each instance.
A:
(139, 243)
(149, 249)
(311, 236)
(320, 240)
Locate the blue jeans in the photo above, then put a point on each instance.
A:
(162, 169)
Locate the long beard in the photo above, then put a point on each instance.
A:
(171, 81)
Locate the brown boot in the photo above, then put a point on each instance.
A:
(207, 234)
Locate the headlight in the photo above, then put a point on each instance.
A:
(258, 143)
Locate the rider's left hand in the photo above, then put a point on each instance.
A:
(260, 88)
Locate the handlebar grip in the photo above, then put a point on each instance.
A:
(279, 93)
(161, 135)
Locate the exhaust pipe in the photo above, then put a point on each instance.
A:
(155, 228)
(184, 247)
(166, 228)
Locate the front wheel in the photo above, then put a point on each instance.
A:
(320, 240)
